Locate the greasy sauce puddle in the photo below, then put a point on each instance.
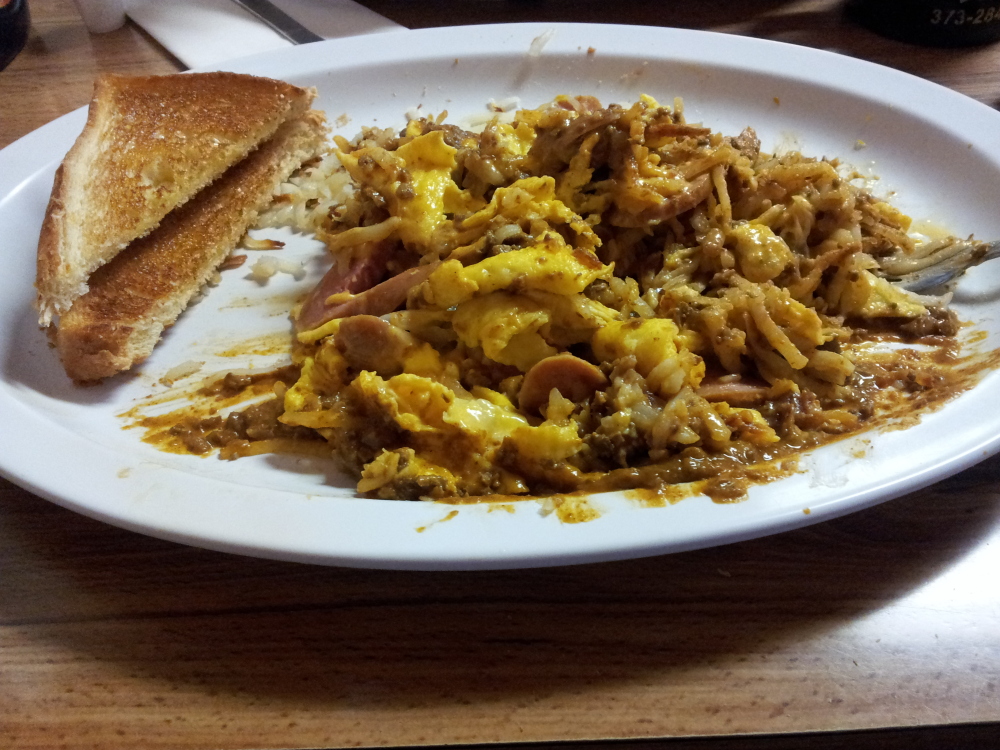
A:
(943, 373)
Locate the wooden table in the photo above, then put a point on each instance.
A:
(889, 618)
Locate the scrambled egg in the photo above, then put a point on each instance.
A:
(615, 295)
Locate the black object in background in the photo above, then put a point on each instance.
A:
(14, 24)
(933, 23)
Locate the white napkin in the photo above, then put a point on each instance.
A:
(203, 33)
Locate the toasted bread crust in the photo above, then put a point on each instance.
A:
(145, 288)
(53, 228)
(149, 145)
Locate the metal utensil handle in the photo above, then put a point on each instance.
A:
(280, 21)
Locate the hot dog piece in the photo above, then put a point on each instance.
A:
(379, 300)
(370, 343)
(575, 378)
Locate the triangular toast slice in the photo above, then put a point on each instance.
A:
(145, 288)
(149, 145)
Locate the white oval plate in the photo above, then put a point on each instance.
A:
(936, 151)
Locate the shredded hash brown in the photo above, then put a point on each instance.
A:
(589, 297)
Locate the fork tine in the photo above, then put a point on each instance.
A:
(942, 277)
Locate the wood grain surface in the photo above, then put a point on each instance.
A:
(888, 618)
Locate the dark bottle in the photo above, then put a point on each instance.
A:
(14, 24)
(934, 23)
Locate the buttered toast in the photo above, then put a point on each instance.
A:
(150, 144)
(145, 288)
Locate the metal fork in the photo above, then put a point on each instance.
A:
(941, 269)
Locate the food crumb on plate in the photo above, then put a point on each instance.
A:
(267, 266)
(539, 42)
(181, 371)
